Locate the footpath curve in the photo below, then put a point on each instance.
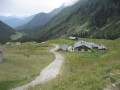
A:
(48, 73)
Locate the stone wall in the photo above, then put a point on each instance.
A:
(1, 57)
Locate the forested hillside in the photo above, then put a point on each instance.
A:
(5, 32)
(86, 18)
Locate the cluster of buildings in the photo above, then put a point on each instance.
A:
(83, 46)
(13, 43)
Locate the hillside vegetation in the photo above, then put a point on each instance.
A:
(16, 36)
(5, 32)
(23, 64)
(87, 71)
(86, 18)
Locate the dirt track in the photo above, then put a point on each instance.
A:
(47, 74)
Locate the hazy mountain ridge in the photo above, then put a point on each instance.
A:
(5, 32)
(39, 21)
(15, 21)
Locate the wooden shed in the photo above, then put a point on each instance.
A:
(73, 38)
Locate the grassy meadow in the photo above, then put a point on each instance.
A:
(23, 63)
(87, 71)
(17, 36)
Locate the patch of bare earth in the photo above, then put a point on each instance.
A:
(113, 85)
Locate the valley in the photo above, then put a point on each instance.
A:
(30, 45)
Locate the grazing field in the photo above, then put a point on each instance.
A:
(17, 36)
(23, 63)
(87, 71)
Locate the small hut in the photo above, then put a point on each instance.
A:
(8, 43)
(73, 38)
(1, 53)
(18, 43)
(64, 47)
(102, 48)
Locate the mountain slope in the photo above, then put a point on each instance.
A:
(39, 21)
(86, 18)
(5, 32)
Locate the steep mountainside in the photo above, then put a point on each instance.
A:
(14, 21)
(39, 21)
(5, 32)
(86, 18)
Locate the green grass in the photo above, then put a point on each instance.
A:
(18, 69)
(62, 41)
(16, 36)
(86, 71)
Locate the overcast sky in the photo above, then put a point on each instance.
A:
(30, 7)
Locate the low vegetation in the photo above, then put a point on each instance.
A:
(23, 63)
(18, 35)
(87, 71)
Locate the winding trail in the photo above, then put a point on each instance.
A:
(47, 74)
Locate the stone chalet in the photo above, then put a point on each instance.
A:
(84, 46)
(64, 47)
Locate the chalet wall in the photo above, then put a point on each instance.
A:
(82, 49)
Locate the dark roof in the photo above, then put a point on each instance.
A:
(94, 44)
(83, 43)
(64, 47)
(100, 47)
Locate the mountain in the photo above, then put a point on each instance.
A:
(57, 10)
(5, 32)
(14, 21)
(39, 20)
(86, 18)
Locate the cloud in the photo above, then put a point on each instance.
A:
(30, 7)
(70, 2)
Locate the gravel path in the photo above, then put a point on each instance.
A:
(47, 74)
